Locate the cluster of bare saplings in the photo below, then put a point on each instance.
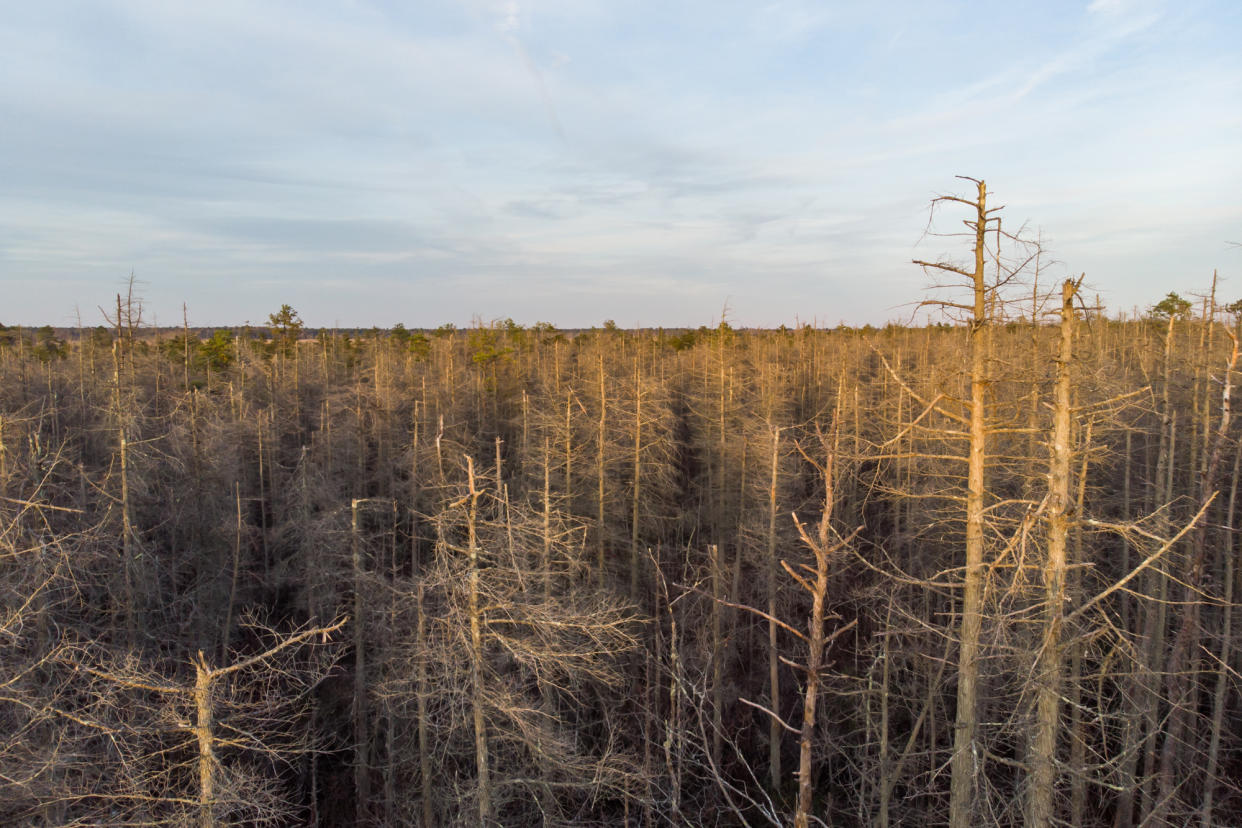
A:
(976, 573)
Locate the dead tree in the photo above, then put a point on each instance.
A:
(965, 763)
(825, 545)
(137, 706)
(499, 652)
(1040, 806)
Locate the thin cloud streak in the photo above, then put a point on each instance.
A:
(567, 161)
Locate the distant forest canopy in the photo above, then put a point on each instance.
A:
(983, 572)
(51, 339)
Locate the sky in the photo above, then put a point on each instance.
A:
(654, 162)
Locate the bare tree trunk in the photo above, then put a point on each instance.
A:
(1040, 804)
(926, 715)
(1220, 696)
(600, 445)
(424, 738)
(545, 556)
(569, 445)
(227, 632)
(362, 776)
(476, 652)
(717, 651)
(672, 726)
(127, 530)
(390, 724)
(525, 424)
(885, 781)
(1201, 391)
(1078, 740)
(267, 562)
(1126, 614)
(823, 546)
(127, 545)
(1157, 582)
(774, 675)
(815, 649)
(1182, 686)
(635, 556)
(206, 753)
(967, 758)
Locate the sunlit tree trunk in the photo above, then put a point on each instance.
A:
(1040, 806)
(967, 758)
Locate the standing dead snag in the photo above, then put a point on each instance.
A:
(824, 545)
(826, 542)
(499, 653)
(206, 679)
(1229, 550)
(216, 790)
(120, 406)
(361, 712)
(965, 748)
(1219, 694)
(476, 650)
(362, 774)
(774, 674)
(1040, 806)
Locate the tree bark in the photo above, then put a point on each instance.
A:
(362, 742)
(1040, 805)
(967, 758)
(1220, 696)
(600, 447)
(476, 653)
(774, 675)
(206, 753)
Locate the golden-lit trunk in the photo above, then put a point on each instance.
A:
(967, 758)
(1040, 803)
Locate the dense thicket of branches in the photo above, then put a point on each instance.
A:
(576, 589)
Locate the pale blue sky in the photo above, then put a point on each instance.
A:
(579, 160)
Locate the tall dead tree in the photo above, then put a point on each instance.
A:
(1040, 805)
(967, 761)
(478, 710)
(825, 545)
(774, 666)
(139, 710)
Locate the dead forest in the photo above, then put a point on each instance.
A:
(981, 572)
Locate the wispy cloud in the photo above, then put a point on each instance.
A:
(576, 159)
(1106, 6)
